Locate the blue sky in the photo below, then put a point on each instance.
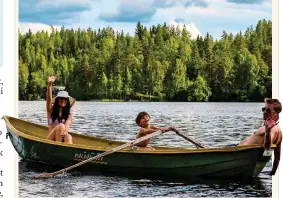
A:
(199, 16)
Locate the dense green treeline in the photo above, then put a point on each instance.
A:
(162, 62)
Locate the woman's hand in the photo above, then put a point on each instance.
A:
(51, 79)
(63, 135)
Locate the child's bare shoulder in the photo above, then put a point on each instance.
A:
(142, 130)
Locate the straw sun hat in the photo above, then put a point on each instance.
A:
(64, 94)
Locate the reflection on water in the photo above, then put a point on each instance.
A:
(214, 124)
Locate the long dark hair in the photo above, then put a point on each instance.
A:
(65, 111)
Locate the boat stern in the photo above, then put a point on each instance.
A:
(262, 161)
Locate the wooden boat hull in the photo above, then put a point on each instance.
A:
(231, 162)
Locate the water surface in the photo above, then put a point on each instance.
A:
(214, 124)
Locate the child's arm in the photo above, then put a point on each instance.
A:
(154, 127)
(162, 129)
(167, 129)
(148, 131)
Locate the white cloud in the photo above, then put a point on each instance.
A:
(222, 8)
(217, 16)
(56, 3)
(35, 27)
(219, 8)
(191, 27)
(241, 11)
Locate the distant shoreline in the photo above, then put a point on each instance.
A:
(108, 100)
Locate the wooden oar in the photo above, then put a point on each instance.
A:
(196, 143)
(47, 175)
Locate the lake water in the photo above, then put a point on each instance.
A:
(214, 124)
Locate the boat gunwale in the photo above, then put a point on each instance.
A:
(174, 150)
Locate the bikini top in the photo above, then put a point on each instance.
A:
(50, 121)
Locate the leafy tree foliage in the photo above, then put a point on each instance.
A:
(159, 63)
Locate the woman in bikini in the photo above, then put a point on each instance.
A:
(58, 113)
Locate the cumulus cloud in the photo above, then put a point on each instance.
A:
(179, 20)
(212, 16)
(130, 11)
(35, 27)
(196, 3)
(144, 10)
(51, 12)
(246, 1)
(191, 27)
(185, 3)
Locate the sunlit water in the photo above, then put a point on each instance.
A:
(213, 124)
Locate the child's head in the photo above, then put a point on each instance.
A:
(143, 119)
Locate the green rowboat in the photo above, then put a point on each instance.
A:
(29, 140)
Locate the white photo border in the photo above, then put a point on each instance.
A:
(9, 96)
(9, 76)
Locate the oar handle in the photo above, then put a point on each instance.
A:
(196, 143)
(47, 175)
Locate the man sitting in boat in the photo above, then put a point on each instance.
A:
(143, 120)
(58, 114)
(270, 133)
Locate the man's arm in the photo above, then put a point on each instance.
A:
(267, 138)
(270, 136)
(271, 132)
(276, 160)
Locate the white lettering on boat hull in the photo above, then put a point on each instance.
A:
(86, 155)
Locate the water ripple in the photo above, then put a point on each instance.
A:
(214, 124)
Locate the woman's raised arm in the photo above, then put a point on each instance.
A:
(50, 80)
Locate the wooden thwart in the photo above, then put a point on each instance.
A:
(132, 143)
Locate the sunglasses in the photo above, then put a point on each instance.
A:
(267, 110)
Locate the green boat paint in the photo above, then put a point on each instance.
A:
(229, 162)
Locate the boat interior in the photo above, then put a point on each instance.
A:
(38, 132)
(30, 129)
